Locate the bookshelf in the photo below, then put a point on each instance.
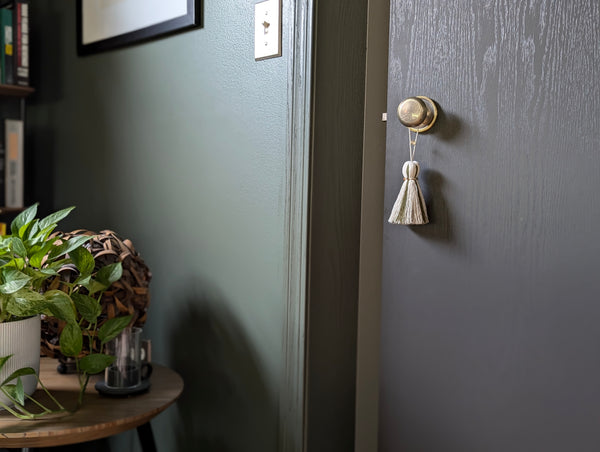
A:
(10, 210)
(16, 91)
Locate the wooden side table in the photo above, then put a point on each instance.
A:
(99, 417)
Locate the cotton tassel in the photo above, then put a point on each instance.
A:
(410, 205)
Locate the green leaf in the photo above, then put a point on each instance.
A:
(35, 260)
(3, 361)
(3, 302)
(43, 234)
(18, 247)
(112, 328)
(25, 230)
(68, 246)
(110, 273)
(61, 306)
(16, 392)
(55, 217)
(19, 392)
(94, 286)
(25, 303)
(23, 219)
(33, 233)
(17, 263)
(95, 363)
(57, 265)
(45, 272)
(71, 340)
(19, 373)
(36, 274)
(88, 307)
(83, 281)
(13, 280)
(83, 260)
(38, 252)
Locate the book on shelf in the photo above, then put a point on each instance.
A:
(13, 179)
(14, 21)
(6, 43)
(2, 164)
(21, 10)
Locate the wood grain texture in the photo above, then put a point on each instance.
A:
(488, 342)
(334, 223)
(99, 417)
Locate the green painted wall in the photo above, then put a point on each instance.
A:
(179, 145)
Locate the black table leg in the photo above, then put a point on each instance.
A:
(146, 437)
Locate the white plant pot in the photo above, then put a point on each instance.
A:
(21, 339)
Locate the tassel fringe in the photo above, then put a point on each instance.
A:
(409, 207)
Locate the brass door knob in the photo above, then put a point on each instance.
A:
(417, 113)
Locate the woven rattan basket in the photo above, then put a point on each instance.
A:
(128, 295)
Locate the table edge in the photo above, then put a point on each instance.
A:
(83, 434)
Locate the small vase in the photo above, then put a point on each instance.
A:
(21, 339)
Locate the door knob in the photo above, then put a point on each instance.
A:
(418, 113)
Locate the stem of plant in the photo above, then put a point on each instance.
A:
(82, 390)
(58, 404)
(20, 412)
(13, 412)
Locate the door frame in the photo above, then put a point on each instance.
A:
(334, 223)
(371, 229)
(335, 167)
(291, 397)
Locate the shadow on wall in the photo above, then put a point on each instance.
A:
(226, 404)
(38, 174)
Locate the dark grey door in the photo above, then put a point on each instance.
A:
(491, 313)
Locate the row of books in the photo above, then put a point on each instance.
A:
(14, 42)
(12, 164)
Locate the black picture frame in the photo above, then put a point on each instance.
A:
(192, 19)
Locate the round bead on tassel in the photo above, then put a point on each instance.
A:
(409, 207)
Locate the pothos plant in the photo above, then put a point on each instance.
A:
(31, 254)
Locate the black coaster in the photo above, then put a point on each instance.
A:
(122, 392)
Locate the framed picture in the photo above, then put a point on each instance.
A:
(107, 24)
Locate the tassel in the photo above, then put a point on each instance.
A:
(410, 205)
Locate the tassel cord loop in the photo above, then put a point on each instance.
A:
(412, 144)
(410, 207)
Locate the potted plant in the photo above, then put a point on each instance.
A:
(31, 254)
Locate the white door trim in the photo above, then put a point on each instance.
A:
(291, 402)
